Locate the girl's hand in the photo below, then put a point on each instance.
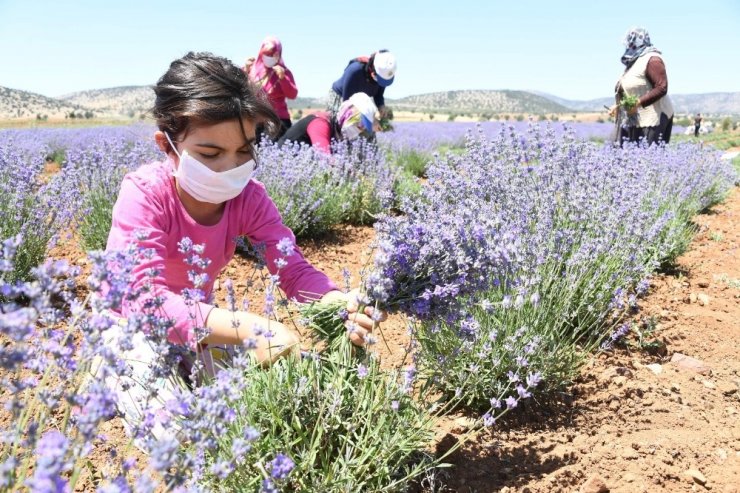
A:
(632, 111)
(279, 71)
(269, 339)
(359, 325)
(613, 110)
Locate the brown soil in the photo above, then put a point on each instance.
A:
(620, 422)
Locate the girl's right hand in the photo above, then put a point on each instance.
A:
(269, 339)
(283, 342)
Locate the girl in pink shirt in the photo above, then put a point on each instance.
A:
(206, 111)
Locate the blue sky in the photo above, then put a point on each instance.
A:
(567, 48)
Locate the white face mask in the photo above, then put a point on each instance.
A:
(270, 61)
(206, 185)
(351, 132)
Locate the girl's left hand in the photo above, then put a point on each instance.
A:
(359, 325)
(279, 71)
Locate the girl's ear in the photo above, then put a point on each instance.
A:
(161, 142)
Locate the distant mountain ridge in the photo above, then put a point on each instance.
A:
(17, 104)
(707, 103)
(115, 101)
(479, 101)
(135, 101)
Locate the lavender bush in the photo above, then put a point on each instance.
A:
(343, 423)
(549, 237)
(314, 191)
(92, 175)
(29, 206)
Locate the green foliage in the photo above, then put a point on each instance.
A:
(95, 226)
(26, 210)
(406, 186)
(19, 218)
(322, 204)
(726, 124)
(57, 155)
(541, 118)
(362, 203)
(629, 101)
(346, 424)
(412, 161)
(520, 118)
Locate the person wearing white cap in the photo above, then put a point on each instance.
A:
(369, 75)
(356, 117)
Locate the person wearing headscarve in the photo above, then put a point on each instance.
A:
(268, 70)
(356, 117)
(644, 77)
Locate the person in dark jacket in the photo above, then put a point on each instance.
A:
(369, 75)
(356, 117)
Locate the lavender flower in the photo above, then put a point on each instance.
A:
(280, 467)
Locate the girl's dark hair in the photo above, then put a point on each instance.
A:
(202, 88)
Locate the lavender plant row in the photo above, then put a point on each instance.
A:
(314, 191)
(430, 136)
(29, 206)
(527, 244)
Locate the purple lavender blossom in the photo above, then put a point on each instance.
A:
(280, 467)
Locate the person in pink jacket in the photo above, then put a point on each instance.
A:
(202, 192)
(268, 70)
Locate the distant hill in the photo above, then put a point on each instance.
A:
(713, 103)
(15, 103)
(478, 101)
(134, 101)
(124, 101)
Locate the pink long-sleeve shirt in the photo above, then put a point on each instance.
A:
(148, 202)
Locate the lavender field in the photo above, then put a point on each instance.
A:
(522, 251)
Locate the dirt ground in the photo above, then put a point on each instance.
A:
(639, 419)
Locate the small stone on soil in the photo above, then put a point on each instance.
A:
(692, 364)
(594, 484)
(697, 476)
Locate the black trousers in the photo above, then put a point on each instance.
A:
(650, 135)
(696, 130)
(285, 124)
